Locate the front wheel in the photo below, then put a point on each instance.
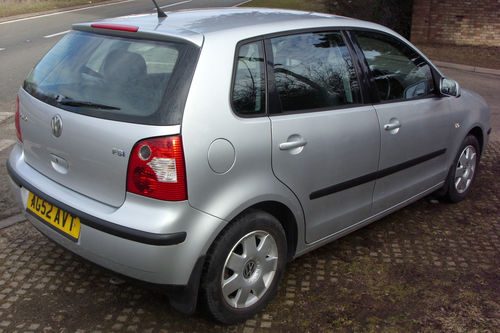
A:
(244, 267)
(463, 170)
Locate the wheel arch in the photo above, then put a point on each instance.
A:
(478, 133)
(283, 214)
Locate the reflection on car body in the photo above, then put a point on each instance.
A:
(203, 150)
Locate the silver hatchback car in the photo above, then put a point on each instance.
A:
(202, 151)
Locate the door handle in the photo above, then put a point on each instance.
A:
(292, 144)
(394, 124)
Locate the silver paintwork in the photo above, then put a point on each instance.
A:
(86, 144)
(425, 127)
(327, 159)
(466, 167)
(145, 262)
(449, 87)
(276, 159)
(221, 156)
(249, 269)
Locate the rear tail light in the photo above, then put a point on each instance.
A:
(156, 169)
(18, 125)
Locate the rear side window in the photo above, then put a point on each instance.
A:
(249, 87)
(314, 71)
(399, 71)
(116, 78)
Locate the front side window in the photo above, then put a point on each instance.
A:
(314, 71)
(249, 89)
(399, 71)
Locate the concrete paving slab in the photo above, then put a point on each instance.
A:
(428, 267)
(5, 115)
(6, 143)
(12, 220)
(468, 68)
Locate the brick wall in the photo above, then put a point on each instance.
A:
(459, 22)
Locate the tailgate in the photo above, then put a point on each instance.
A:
(91, 154)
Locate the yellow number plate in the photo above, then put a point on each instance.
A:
(57, 218)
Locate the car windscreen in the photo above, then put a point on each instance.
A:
(132, 80)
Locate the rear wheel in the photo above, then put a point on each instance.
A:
(463, 171)
(244, 267)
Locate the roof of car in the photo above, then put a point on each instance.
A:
(193, 24)
(218, 19)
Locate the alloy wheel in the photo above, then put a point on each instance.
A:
(249, 269)
(466, 166)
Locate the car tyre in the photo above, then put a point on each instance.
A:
(463, 171)
(244, 267)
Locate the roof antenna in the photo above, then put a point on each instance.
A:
(161, 13)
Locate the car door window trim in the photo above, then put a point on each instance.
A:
(358, 63)
(364, 76)
(340, 107)
(436, 74)
(265, 111)
(275, 107)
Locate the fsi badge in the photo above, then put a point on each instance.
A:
(118, 152)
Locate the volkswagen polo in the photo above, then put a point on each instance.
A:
(201, 151)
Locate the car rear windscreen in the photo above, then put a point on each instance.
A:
(132, 80)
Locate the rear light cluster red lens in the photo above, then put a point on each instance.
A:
(18, 125)
(156, 169)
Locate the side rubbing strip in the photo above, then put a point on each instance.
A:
(374, 175)
(343, 186)
(409, 164)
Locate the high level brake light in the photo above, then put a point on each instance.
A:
(156, 169)
(113, 26)
(18, 125)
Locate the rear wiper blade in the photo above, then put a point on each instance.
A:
(73, 102)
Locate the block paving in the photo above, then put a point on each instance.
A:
(431, 266)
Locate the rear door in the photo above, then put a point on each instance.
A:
(325, 141)
(91, 98)
(414, 121)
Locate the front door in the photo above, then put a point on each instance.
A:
(414, 121)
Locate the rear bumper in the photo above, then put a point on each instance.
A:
(99, 224)
(149, 240)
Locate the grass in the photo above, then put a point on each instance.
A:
(17, 7)
(317, 6)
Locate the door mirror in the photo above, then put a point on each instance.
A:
(449, 87)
